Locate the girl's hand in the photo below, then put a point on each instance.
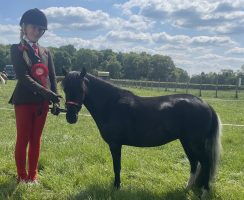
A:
(54, 98)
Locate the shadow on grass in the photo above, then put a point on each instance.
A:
(96, 191)
(7, 188)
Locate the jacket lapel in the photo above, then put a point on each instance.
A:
(43, 55)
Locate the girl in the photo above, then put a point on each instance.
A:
(35, 89)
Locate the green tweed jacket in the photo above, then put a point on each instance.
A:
(27, 89)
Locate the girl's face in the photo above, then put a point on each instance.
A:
(33, 32)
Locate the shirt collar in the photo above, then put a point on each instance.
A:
(29, 42)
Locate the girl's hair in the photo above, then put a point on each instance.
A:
(22, 32)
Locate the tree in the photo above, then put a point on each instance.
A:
(242, 68)
(143, 66)
(61, 60)
(107, 54)
(130, 67)
(85, 58)
(70, 49)
(227, 76)
(4, 56)
(162, 68)
(179, 75)
(120, 65)
(114, 68)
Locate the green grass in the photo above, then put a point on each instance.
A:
(75, 162)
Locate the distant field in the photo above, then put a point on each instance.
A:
(75, 162)
(221, 94)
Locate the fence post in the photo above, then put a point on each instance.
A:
(237, 88)
(187, 85)
(166, 85)
(176, 83)
(216, 87)
(200, 91)
(158, 85)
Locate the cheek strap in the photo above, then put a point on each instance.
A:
(72, 103)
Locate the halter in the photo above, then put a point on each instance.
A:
(73, 103)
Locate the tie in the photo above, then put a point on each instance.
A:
(35, 47)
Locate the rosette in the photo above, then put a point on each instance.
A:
(40, 72)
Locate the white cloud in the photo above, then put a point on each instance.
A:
(128, 37)
(197, 40)
(53, 40)
(202, 15)
(236, 50)
(6, 29)
(82, 19)
(76, 18)
(136, 22)
(215, 40)
(11, 34)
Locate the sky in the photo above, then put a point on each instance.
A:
(199, 36)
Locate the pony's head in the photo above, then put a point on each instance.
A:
(74, 89)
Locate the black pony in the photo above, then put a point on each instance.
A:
(126, 119)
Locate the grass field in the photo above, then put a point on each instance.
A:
(75, 162)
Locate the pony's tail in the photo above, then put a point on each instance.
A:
(213, 144)
(209, 157)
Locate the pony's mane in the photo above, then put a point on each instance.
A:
(109, 86)
(101, 81)
(73, 79)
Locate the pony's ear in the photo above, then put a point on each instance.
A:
(83, 73)
(64, 71)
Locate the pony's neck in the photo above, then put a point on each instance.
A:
(99, 94)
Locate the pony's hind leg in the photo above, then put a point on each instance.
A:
(203, 176)
(195, 169)
(203, 180)
(194, 165)
(200, 169)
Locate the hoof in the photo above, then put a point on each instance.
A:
(117, 186)
(205, 194)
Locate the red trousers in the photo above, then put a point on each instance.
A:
(30, 120)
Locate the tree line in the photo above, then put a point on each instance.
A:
(137, 66)
(224, 77)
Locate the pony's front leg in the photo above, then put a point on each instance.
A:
(115, 150)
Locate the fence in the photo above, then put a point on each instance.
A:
(181, 87)
(186, 87)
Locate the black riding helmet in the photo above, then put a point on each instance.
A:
(34, 17)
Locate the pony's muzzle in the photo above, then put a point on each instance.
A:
(72, 113)
(71, 117)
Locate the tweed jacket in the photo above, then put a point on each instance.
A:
(27, 89)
